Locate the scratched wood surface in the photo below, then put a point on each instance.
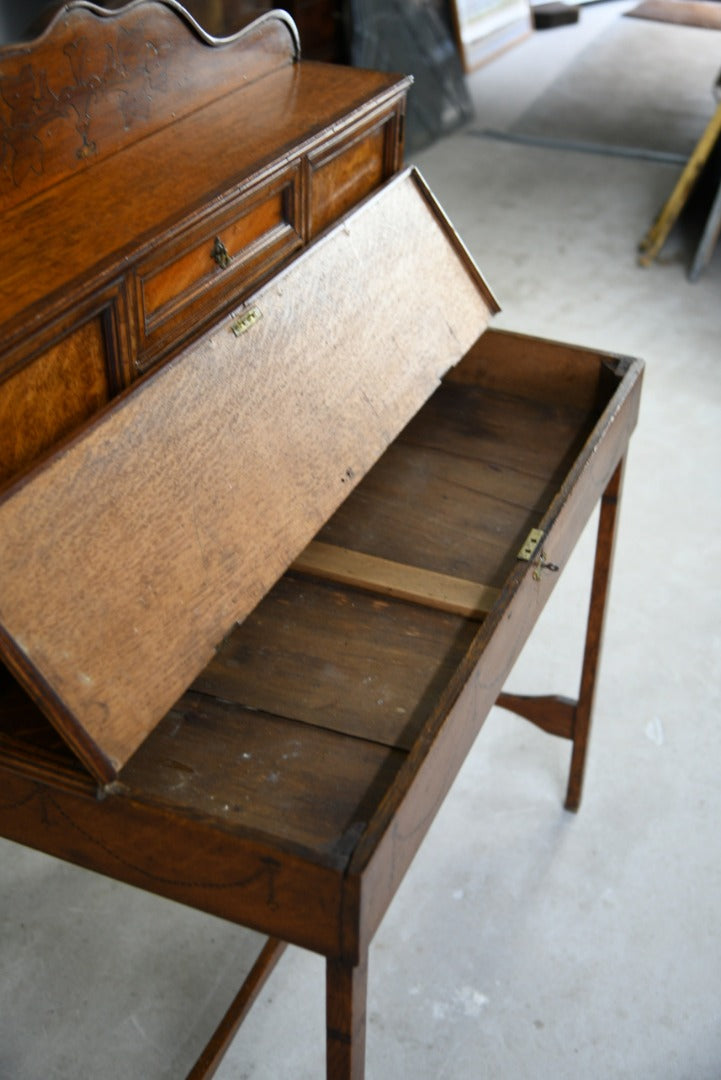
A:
(131, 553)
(96, 81)
(491, 460)
(225, 151)
(303, 785)
(351, 677)
(340, 659)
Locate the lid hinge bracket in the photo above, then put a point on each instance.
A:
(532, 551)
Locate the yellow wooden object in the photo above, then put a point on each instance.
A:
(396, 579)
(656, 236)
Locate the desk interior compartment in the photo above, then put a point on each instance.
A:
(328, 687)
(300, 726)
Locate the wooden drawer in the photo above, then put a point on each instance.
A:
(344, 171)
(211, 264)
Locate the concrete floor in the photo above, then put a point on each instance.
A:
(525, 942)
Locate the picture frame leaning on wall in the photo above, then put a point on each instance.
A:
(484, 28)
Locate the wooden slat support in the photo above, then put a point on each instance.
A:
(412, 583)
(553, 714)
(212, 1055)
(656, 236)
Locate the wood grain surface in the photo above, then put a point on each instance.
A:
(129, 555)
(97, 81)
(390, 578)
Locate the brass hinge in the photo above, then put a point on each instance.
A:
(530, 553)
(245, 321)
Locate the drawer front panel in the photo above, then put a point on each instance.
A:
(61, 377)
(344, 174)
(51, 395)
(190, 279)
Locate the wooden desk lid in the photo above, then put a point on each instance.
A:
(130, 553)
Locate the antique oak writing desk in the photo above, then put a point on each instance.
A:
(278, 513)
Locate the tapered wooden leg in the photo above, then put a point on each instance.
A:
(346, 989)
(559, 715)
(594, 635)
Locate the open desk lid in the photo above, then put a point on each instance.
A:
(129, 554)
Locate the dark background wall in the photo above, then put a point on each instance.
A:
(15, 15)
(320, 22)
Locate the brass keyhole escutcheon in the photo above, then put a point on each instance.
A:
(219, 254)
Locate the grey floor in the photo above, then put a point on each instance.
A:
(525, 942)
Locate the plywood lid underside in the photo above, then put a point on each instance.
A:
(129, 555)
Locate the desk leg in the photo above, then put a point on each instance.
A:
(346, 988)
(562, 716)
(594, 634)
